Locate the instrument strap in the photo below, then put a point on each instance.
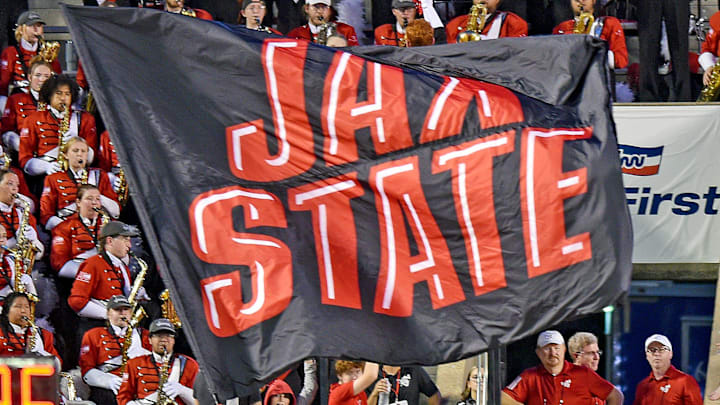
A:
(93, 233)
(11, 224)
(23, 65)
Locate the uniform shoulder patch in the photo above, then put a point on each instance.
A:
(58, 240)
(83, 276)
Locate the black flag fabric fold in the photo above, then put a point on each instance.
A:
(407, 206)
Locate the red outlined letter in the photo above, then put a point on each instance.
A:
(496, 106)
(215, 240)
(247, 143)
(398, 190)
(543, 189)
(335, 238)
(26, 375)
(472, 165)
(5, 385)
(384, 111)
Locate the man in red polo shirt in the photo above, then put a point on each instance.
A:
(557, 381)
(665, 385)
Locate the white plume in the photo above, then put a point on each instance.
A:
(352, 12)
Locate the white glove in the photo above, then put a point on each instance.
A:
(142, 295)
(116, 182)
(430, 14)
(97, 378)
(39, 346)
(175, 389)
(54, 167)
(112, 208)
(40, 249)
(86, 254)
(171, 389)
(137, 351)
(11, 140)
(68, 136)
(36, 167)
(27, 200)
(27, 281)
(93, 309)
(52, 222)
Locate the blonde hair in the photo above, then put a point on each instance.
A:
(578, 341)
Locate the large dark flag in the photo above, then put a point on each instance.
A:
(407, 206)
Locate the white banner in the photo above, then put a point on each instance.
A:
(671, 164)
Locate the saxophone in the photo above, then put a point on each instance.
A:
(261, 27)
(24, 255)
(583, 22)
(475, 25)
(168, 309)
(163, 399)
(30, 347)
(325, 31)
(188, 12)
(71, 391)
(104, 220)
(62, 145)
(48, 50)
(123, 190)
(712, 90)
(134, 321)
(139, 280)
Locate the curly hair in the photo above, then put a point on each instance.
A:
(53, 83)
(343, 366)
(419, 33)
(578, 341)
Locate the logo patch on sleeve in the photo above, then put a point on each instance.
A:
(83, 276)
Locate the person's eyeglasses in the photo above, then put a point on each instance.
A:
(654, 350)
(599, 353)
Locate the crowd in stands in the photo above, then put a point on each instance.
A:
(70, 263)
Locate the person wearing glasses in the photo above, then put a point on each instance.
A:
(556, 380)
(470, 395)
(584, 350)
(665, 385)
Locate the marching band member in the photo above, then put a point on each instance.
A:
(162, 373)
(178, 7)
(419, 33)
(40, 138)
(59, 193)
(12, 215)
(709, 52)
(394, 34)
(7, 271)
(101, 353)
(105, 274)
(23, 189)
(607, 28)
(75, 239)
(15, 60)
(17, 335)
(498, 24)
(320, 12)
(253, 12)
(20, 105)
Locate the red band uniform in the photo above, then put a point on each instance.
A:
(60, 191)
(15, 342)
(309, 32)
(40, 135)
(74, 239)
(499, 24)
(608, 29)
(99, 278)
(15, 65)
(143, 376)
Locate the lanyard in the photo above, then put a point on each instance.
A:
(397, 383)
